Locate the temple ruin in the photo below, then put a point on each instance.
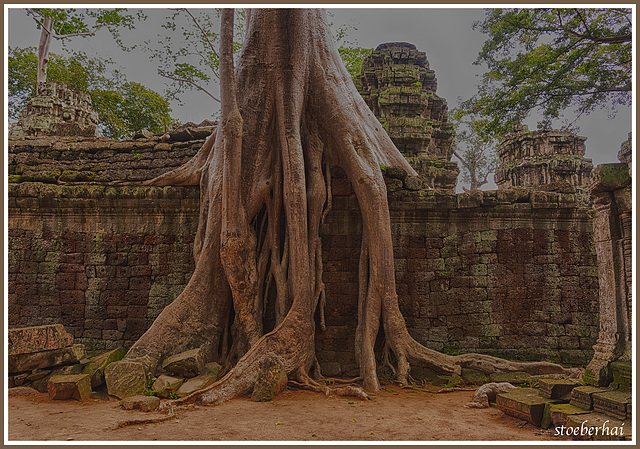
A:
(400, 89)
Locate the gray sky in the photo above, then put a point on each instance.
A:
(446, 35)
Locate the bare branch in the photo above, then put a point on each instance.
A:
(204, 35)
(184, 80)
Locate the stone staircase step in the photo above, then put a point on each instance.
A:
(621, 376)
(614, 404)
(556, 388)
(556, 415)
(596, 427)
(583, 396)
(523, 403)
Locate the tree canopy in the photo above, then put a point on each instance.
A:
(546, 61)
(476, 151)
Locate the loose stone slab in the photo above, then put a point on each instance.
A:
(556, 388)
(621, 375)
(45, 359)
(522, 403)
(144, 403)
(559, 413)
(126, 378)
(73, 386)
(612, 403)
(583, 396)
(186, 364)
(165, 385)
(594, 426)
(195, 384)
(26, 340)
(130, 376)
(95, 368)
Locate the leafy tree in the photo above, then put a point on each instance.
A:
(62, 24)
(186, 52)
(123, 107)
(548, 60)
(289, 114)
(351, 53)
(476, 151)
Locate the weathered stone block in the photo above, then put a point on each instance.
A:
(197, 383)
(597, 427)
(583, 396)
(522, 403)
(130, 377)
(25, 340)
(612, 403)
(96, 367)
(556, 388)
(45, 359)
(165, 385)
(187, 364)
(140, 402)
(72, 386)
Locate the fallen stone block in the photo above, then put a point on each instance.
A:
(96, 366)
(186, 364)
(26, 340)
(164, 386)
(595, 427)
(272, 379)
(46, 359)
(557, 414)
(522, 403)
(129, 377)
(583, 396)
(22, 391)
(621, 372)
(72, 386)
(556, 388)
(612, 403)
(144, 403)
(196, 383)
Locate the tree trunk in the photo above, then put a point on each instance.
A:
(43, 48)
(290, 114)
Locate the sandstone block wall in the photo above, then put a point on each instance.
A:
(510, 273)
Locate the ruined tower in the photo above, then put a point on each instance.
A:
(56, 110)
(547, 159)
(400, 88)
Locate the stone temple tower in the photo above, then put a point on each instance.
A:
(56, 110)
(547, 160)
(400, 88)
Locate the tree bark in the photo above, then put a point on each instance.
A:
(43, 48)
(290, 113)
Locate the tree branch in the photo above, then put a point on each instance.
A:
(184, 80)
(204, 35)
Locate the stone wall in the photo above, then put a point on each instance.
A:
(511, 273)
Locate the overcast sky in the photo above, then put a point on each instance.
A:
(446, 35)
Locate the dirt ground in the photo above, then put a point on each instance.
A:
(391, 415)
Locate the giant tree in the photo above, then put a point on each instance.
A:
(290, 114)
